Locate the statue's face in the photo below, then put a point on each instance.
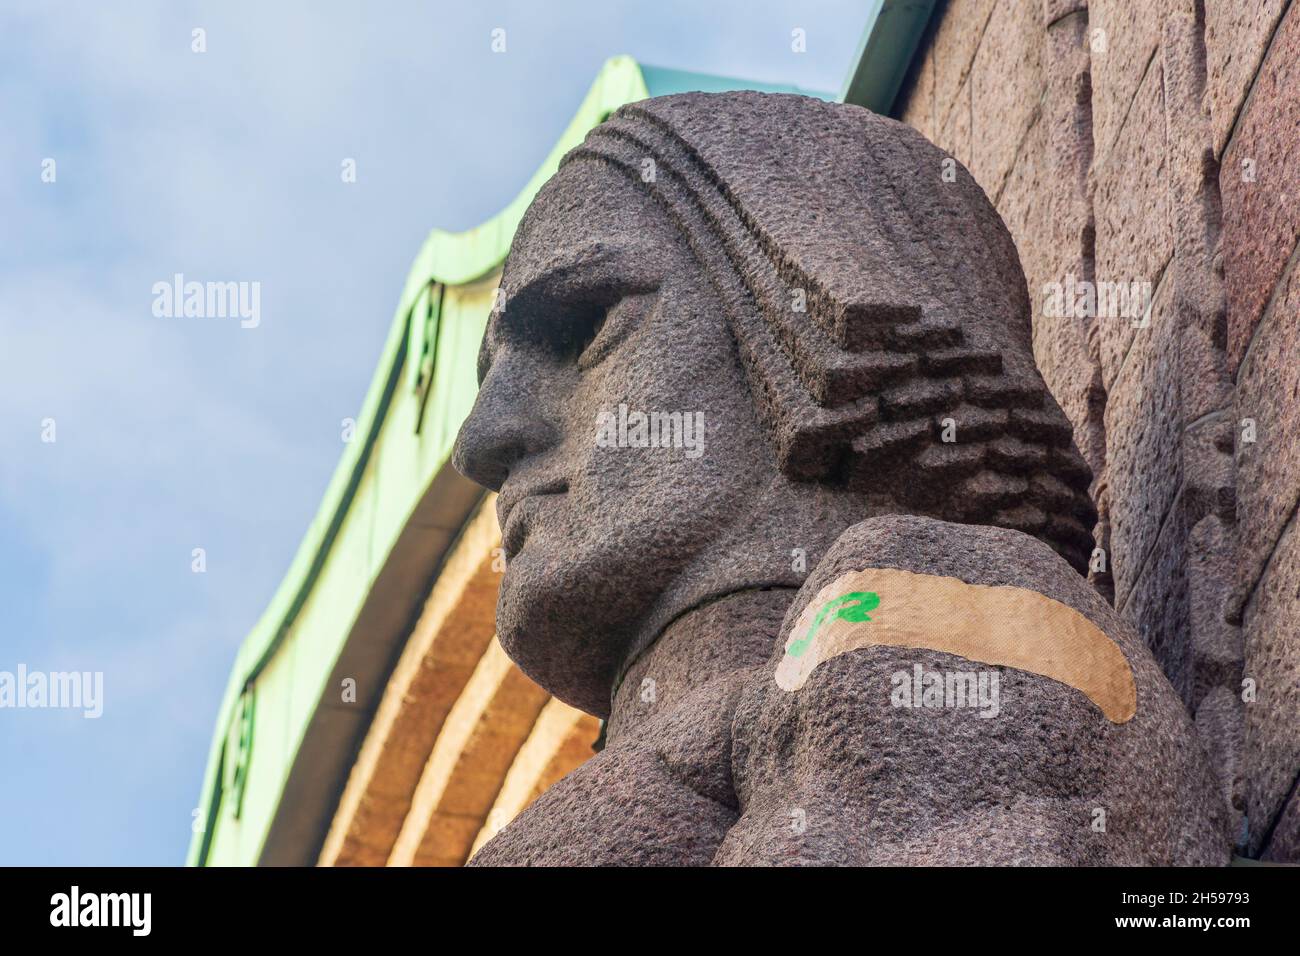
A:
(607, 317)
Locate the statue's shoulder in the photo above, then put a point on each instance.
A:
(991, 596)
(948, 693)
(978, 555)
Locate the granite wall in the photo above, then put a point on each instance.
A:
(1147, 153)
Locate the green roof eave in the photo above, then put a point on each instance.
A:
(889, 42)
(663, 81)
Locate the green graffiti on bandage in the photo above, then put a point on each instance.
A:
(847, 607)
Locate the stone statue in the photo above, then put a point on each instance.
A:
(784, 498)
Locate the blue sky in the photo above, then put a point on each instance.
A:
(176, 433)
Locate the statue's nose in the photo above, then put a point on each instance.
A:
(506, 424)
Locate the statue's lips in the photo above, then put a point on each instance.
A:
(515, 510)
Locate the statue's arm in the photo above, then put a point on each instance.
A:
(844, 762)
(834, 775)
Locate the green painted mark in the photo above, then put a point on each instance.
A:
(847, 607)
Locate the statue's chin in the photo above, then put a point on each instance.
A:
(557, 634)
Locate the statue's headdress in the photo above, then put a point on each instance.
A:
(877, 300)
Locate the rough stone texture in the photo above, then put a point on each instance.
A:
(1142, 432)
(1026, 207)
(1211, 659)
(955, 133)
(1032, 210)
(657, 587)
(1261, 219)
(1153, 594)
(1032, 147)
(1068, 350)
(1268, 469)
(1127, 185)
(1272, 621)
(1284, 843)
(559, 743)
(1181, 588)
(1123, 37)
(1061, 345)
(1220, 723)
(1068, 115)
(1002, 112)
(916, 99)
(1134, 232)
(1236, 38)
(1208, 499)
(1054, 10)
(1199, 296)
(962, 24)
(810, 738)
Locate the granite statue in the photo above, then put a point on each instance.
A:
(785, 500)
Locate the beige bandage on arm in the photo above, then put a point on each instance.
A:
(1004, 626)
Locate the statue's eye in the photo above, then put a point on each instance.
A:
(599, 333)
(586, 328)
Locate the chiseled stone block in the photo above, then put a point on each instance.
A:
(1260, 183)
(1144, 463)
(1007, 83)
(1122, 37)
(1272, 626)
(1268, 430)
(956, 39)
(1236, 38)
(1135, 238)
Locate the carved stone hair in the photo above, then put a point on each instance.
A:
(877, 300)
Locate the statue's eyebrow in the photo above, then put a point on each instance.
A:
(594, 276)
